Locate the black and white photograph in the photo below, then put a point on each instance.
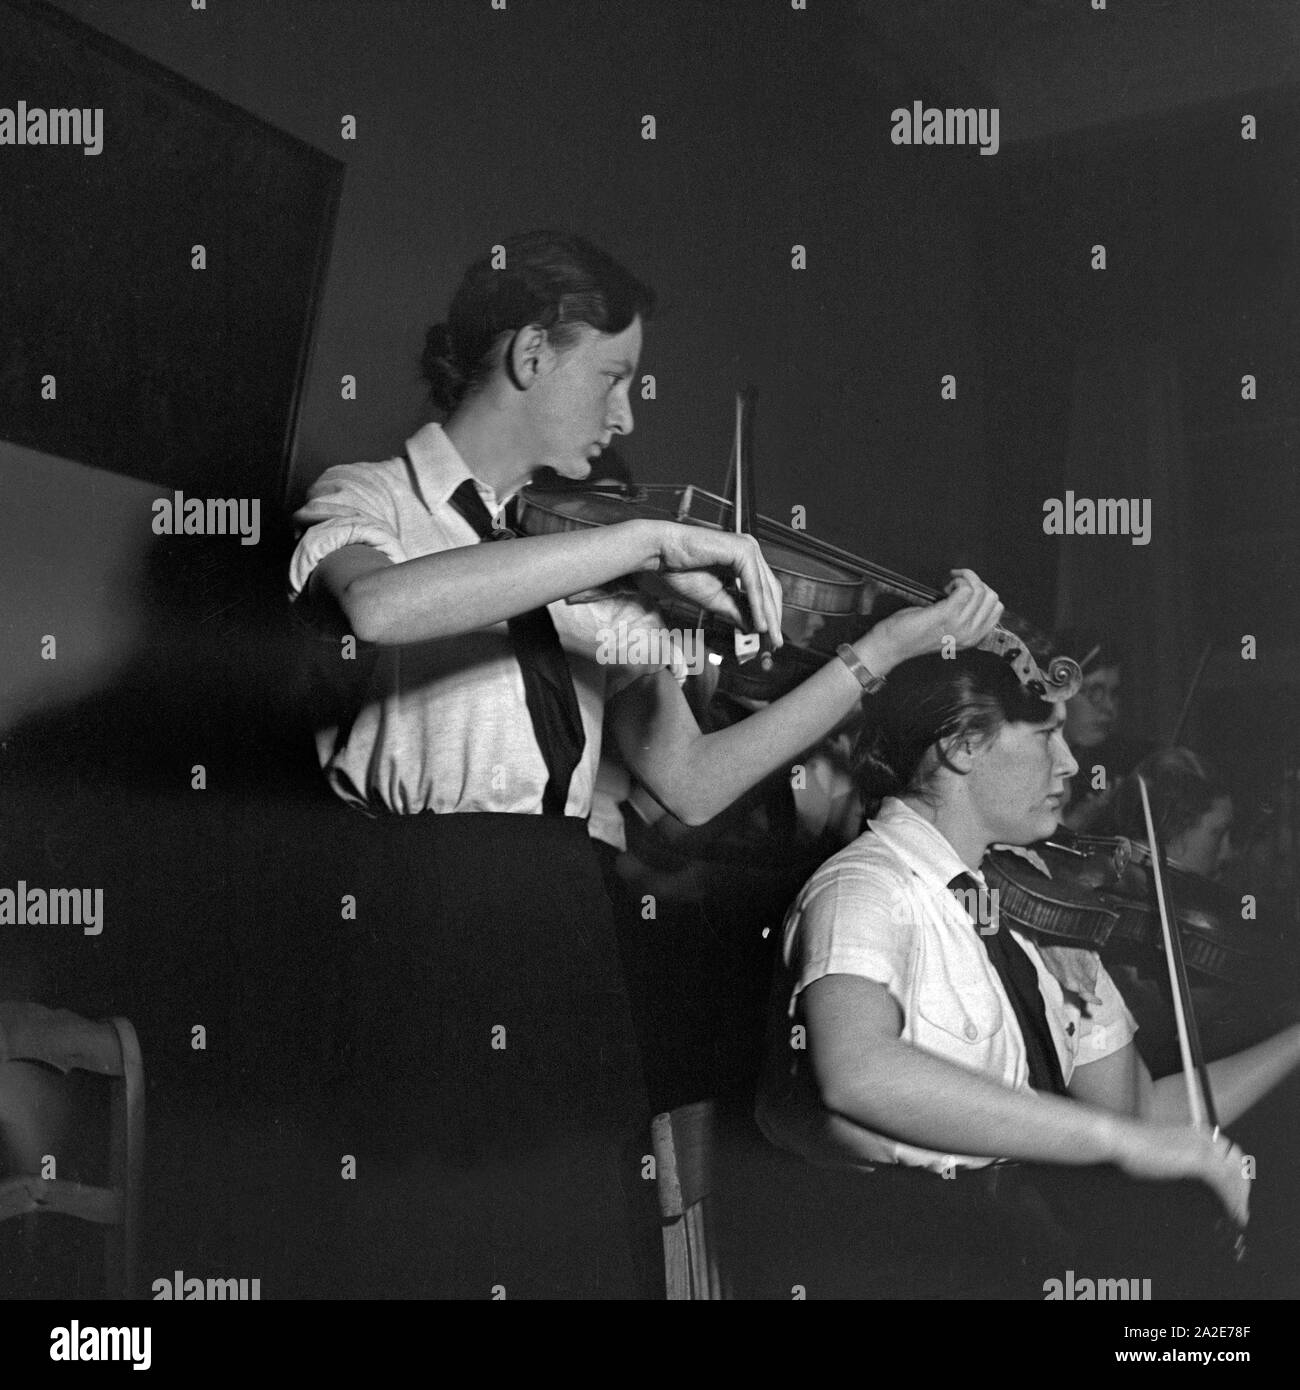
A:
(649, 652)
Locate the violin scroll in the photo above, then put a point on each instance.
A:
(1061, 680)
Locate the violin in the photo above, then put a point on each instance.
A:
(833, 590)
(827, 591)
(1097, 891)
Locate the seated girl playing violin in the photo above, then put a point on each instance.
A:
(970, 1095)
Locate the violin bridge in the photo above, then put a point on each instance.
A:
(746, 646)
(1121, 857)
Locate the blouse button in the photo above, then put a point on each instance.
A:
(971, 1031)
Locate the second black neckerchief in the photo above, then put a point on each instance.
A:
(1020, 980)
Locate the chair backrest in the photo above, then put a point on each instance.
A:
(66, 1041)
(686, 1144)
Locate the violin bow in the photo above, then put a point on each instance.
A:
(1191, 693)
(1200, 1103)
(741, 477)
(1200, 1100)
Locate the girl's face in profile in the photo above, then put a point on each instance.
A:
(582, 401)
(1018, 781)
(1090, 716)
(1205, 847)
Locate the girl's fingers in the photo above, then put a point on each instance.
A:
(960, 577)
(764, 589)
(975, 608)
(750, 584)
(777, 606)
(725, 605)
(965, 600)
(990, 615)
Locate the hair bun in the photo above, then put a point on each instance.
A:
(439, 368)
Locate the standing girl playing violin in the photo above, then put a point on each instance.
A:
(918, 1047)
(496, 1020)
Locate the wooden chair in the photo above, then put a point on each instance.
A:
(64, 1040)
(687, 1143)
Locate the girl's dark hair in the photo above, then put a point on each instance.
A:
(551, 279)
(1183, 787)
(927, 701)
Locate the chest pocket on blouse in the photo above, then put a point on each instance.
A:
(957, 998)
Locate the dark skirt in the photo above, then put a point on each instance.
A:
(1002, 1233)
(496, 1106)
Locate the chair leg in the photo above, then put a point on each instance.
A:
(128, 1161)
(677, 1262)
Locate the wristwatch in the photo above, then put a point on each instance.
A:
(869, 682)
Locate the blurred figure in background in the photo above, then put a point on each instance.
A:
(1091, 720)
(1193, 813)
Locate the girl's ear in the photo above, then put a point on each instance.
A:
(959, 752)
(528, 356)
